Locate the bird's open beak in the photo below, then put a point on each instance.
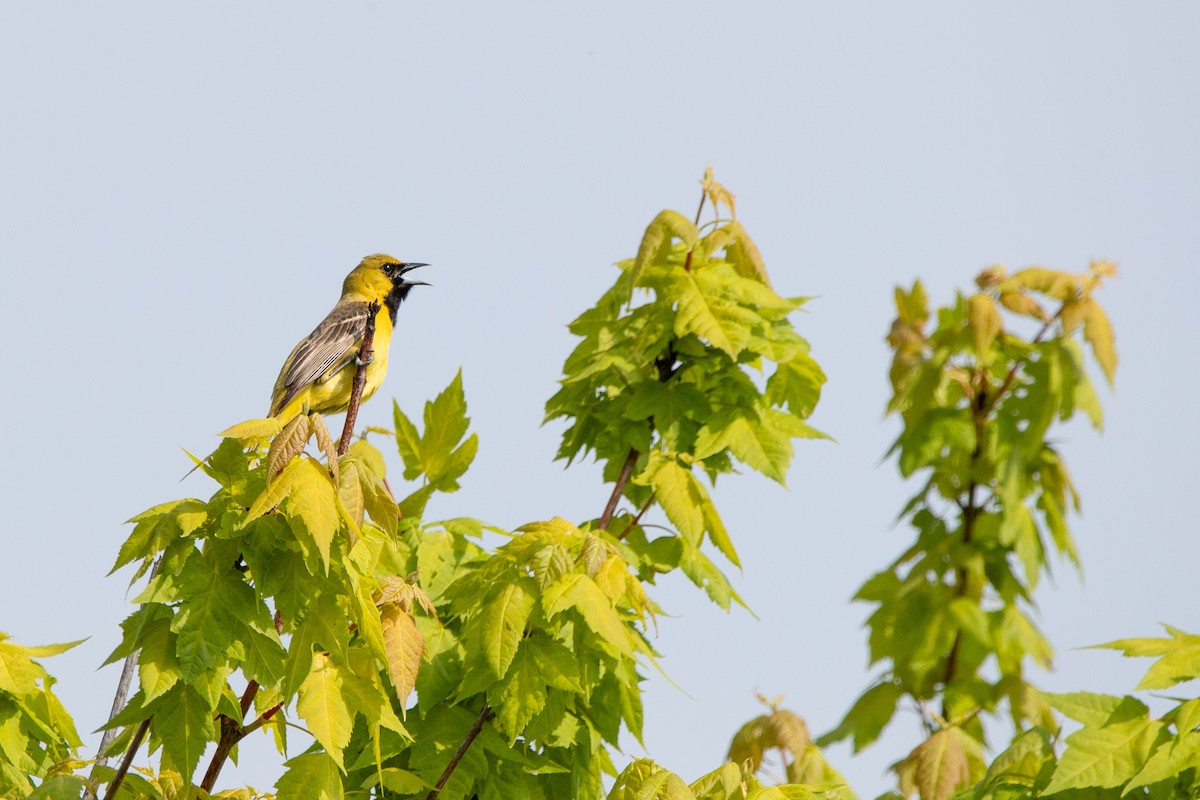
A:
(408, 267)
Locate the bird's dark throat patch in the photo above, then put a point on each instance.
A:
(395, 297)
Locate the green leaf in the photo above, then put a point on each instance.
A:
(312, 776)
(581, 593)
(797, 384)
(1168, 761)
(59, 787)
(521, 695)
(707, 309)
(313, 502)
(324, 708)
(867, 718)
(1179, 661)
(408, 441)
(753, 443)
(184, 723)
(1105, 756)
(446, 423)
(1096, 709)
(158, 668)
(504, 620)
(679, 493)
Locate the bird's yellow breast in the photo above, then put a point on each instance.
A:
(330, 394)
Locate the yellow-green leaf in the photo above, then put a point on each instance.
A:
(659, 233)
(323, 707)
(936, 768)
(504, 624)
(288, 444)
(325, 442)
(1098, 332)
(743, 254)
(1053, 283)
(679, 494)
(252, 429)
(314, 502)
(984, 321)
(1105, 756)
(405, 645)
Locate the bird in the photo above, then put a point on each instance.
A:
(317, 375)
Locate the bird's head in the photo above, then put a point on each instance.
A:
(380, 277)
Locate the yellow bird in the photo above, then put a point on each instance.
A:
(318, 373)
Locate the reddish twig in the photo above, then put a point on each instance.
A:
(365, 354)
(638, 518)
(484, 715)
(610, 507)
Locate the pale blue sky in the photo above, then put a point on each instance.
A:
(173, 177)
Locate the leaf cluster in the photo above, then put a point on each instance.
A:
(38, 739)
(952, 614)
(704, 369)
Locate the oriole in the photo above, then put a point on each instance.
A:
(318, 373)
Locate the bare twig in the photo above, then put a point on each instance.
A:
(365, 354)
(118, 704)
(484, 715)
(123, 769)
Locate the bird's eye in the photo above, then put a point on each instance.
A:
(388, 269)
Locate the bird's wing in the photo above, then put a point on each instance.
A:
(331, 344)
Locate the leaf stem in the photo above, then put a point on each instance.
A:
(484, 715)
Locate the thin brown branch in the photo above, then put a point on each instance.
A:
(484, 715)
(365, 354)
(645, 507)
(123, 769)
(262, 719)
(1012, 373)
(610, 507)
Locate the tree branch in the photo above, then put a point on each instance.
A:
(484, 715)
